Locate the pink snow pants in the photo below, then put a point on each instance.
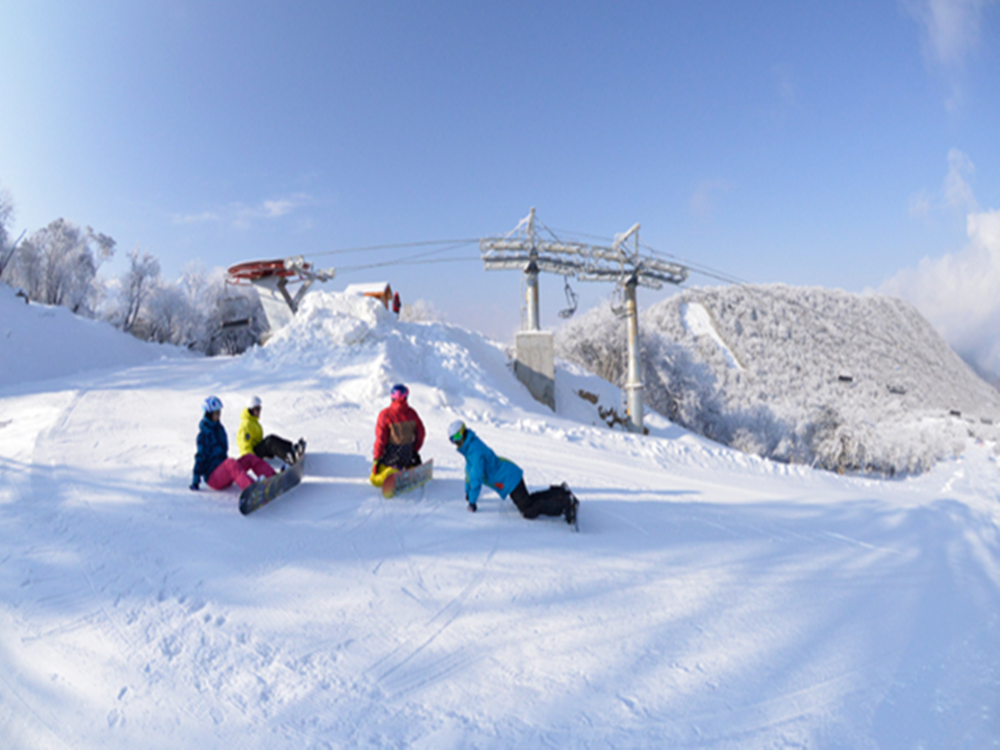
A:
(233, 470)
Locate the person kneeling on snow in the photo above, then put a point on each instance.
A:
(399, 436)
(250, 438)
(212, 459)
(483, 466)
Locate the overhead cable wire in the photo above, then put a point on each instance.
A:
(394, 246)
(347, 269)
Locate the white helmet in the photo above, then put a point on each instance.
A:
(254, 403)
(456, 431)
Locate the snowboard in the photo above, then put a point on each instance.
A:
(261, 493)
(410, 479)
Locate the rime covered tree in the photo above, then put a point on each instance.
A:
(6, 217)
(137, 284)
(58, 265)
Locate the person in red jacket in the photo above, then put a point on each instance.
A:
(399, 436)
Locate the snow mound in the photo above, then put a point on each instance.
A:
(356, 350)
(41, 342)
(806, 375)
(359, 349)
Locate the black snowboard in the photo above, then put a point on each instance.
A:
(261, 493)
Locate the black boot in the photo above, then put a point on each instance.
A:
(571, 504)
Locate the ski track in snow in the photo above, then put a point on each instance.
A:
(712, 599)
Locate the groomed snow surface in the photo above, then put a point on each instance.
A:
(711, 599)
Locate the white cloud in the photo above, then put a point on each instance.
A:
(274, 209)
(921, 205)
(785, 85)
(703, 202)
(956, 192)
(951, 31)
(951, 27)
(241, 216)
(200, 218)
(959, 293)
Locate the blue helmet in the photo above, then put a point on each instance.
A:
(399, 392)
(212, 403)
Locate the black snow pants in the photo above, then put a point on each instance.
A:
(550, 502)
(275, 447)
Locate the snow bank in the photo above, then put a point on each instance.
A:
(40, 342)
(353, 342)
(843, 381)
(356, 349)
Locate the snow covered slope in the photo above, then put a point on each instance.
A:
(805, 375)
(38, 342)
(712, 599)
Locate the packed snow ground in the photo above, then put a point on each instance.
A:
(711, 599)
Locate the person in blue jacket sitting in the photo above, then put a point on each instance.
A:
(483, 466)
(212, 461)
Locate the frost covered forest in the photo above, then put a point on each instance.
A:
(842, 381)
(60, 264)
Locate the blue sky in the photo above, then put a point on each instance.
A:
(830, 144)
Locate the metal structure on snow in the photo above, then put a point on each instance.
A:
(272, 279)
(522, 249)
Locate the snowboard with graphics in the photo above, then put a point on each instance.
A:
(410, 479)
(261, 493)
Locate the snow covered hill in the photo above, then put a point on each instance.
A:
(819, 376)
(38, 342)
(711, 599)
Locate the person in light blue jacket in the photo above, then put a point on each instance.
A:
(483, 466)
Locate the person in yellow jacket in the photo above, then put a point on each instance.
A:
(250, 438)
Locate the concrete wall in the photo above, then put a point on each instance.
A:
(535, 365)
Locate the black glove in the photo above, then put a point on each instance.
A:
(195, 483)
(415, 461)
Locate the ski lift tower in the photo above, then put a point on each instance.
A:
(522, 249)
(272, 278)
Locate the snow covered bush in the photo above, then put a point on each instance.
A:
(842, 381)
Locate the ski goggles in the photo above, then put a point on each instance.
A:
(459, 436)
